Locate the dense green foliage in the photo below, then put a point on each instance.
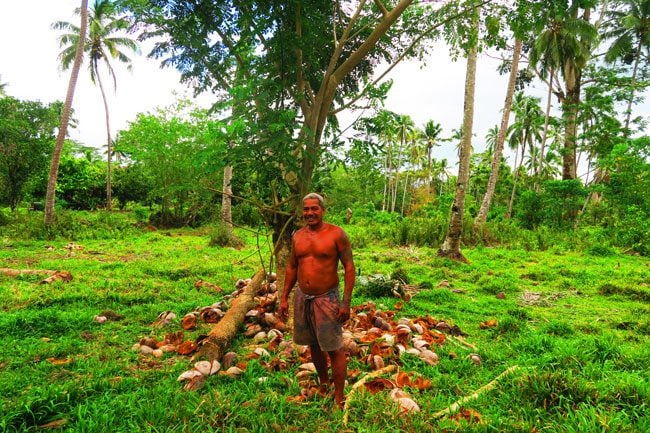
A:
(27, 133)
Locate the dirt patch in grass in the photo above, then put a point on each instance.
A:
(540, 299)
(627, 292)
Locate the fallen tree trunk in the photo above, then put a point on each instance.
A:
(219, 339)
(53, 275)
(17, 272)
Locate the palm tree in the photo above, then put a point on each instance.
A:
(491, 138)
(384, 125)
(630, 30)
(404, 128)
(415, 156)
(65, 115)
(432, 132)
(440, 174)
(105, 41)
(565, 45)
(522, 133)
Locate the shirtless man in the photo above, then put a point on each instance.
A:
(318, 311)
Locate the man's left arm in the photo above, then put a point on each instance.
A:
(345, 255)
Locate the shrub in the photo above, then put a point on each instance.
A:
(376, 286)
(419, 231)
(557, 205)
(601, 251)
(222, 236)
(71, 225)
(141, 214)
(359, 238)
(400, 275)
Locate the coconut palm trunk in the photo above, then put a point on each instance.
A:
(570, 110)
(501, 138)
(547, 117)
(632, 83)
(65, 116)
(451, 246)
(109, 196)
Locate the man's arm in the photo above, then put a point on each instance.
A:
(345, 255)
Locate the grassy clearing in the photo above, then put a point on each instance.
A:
(578, 326)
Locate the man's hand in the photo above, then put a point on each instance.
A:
(344, 313)
(283, 310)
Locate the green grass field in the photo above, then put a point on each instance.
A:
(576, 325)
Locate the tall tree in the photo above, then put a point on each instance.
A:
(106, 41)
(501, 137)
(565, 45)
(451, 246)
(65, 115)
(628, 24)
(405, 127)
(307, 64)
(27, 134)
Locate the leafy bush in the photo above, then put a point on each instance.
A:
(601, 251)
(222, 236)
(400, 274)
(632, 231)
(556, 206)
(359, 238)
(384, 217)
(419, 231)
(375, 286)
(141, 214)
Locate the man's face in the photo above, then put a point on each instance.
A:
(312, 212)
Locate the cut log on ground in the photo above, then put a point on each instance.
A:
(219, 339)
(53, 275)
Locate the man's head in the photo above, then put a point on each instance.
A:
(313, 209)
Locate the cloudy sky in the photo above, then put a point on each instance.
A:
(28, 63)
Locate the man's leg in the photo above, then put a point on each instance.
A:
(319, 359)
(339, 372)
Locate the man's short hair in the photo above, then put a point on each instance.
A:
(313, 195)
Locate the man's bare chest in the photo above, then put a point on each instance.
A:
(316, 248)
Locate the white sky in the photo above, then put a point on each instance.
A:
(28, 63)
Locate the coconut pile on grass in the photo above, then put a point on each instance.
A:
(378, 339)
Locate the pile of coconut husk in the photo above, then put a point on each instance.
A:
(378, 338)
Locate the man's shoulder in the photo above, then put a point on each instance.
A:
(337, 231)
